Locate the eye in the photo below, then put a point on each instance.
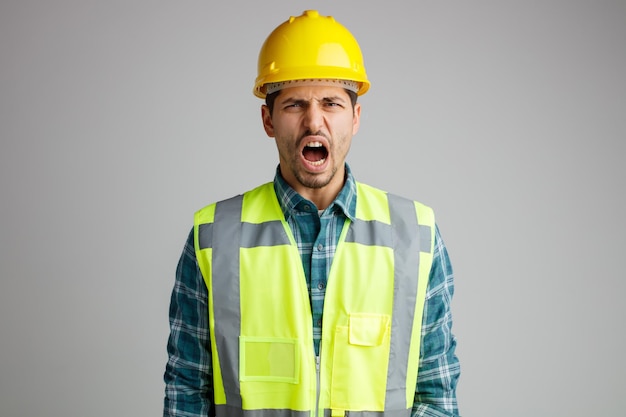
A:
(333, 105)
(293, 105)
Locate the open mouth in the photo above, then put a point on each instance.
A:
(315, 153)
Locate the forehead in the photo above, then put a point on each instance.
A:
(312, 93)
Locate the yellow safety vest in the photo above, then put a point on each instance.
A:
(260, 317)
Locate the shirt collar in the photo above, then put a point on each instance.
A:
(291, 202)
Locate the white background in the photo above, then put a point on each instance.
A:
(118, 119)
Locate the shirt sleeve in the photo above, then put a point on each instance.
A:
(188, 376)
(439, 369)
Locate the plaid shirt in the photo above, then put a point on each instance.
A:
(188, 374)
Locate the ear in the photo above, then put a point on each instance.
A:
(356, 118)
(267, 121)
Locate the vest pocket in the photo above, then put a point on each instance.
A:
(360, 361)
(268, 359)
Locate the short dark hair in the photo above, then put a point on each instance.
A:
(271, 98)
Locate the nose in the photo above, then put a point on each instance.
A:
(314, 118)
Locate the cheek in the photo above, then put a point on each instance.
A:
(282, 129)
(284, 144)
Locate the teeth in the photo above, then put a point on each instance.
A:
(316, 144)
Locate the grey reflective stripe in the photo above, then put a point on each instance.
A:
(263, 234)
(228, 411)
(252, 235)
(226, 301)
(370, 232)
(205, 235)
(425, 238)
(391, 413)
(375, 233)
(406, 270)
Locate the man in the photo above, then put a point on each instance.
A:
(312, 295)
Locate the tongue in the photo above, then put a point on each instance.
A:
(314, 154)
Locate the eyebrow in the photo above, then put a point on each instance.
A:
(329, 99)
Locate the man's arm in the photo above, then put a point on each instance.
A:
(439, 370)
(188, 379)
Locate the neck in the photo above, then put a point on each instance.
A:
(321, 197)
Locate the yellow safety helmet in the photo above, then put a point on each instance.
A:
(310, 47)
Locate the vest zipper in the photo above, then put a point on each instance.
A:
(317, 397)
